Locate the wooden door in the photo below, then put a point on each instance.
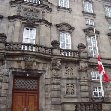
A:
(25, 95)
(18, 101)
(25, 101)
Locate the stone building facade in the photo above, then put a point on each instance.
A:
(48, 55)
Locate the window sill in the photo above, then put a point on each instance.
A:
(88, 13)
(64, 8)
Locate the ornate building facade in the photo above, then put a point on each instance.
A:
(48, 55)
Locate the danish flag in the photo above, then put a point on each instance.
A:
(102, 71)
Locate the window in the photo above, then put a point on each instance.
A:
(33, 1)
(97, 92)
(88, 7)
(89, 22)
(65, 40)
(108, 11)
(95, 75)
(64, 3)
(92, 46)
(29, 35)
(110, 26)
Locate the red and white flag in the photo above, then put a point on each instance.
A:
(102, 71)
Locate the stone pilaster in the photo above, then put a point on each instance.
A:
(56, 85)
(55, 78)
(83, 75)
(4, 88)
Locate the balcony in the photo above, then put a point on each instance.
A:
(34, 48)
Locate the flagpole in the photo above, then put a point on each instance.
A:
(101, 75)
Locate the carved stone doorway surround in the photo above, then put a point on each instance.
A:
(22, 73)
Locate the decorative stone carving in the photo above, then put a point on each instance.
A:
(28, 12)
(69, 70)
(65, 27)
(90, 31)
(3, 37)
(56, 64)
(83, 66)
(41, 4)
(70, 89)
(82, 52)
(55, 44)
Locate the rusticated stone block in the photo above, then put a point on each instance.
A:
(3, 93)
(56, 101)
(55, 108)
(55, 80)
(3, 100)
(69, 107)
(55, 94)
(5, 79)
(55, 87)
(4, 85)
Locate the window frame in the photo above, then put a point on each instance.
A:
(62, 3)
(108, 13)
(23, 37)
(95, 75)
(98, 91)
(65, 32)
(90, 22)
(92, 46)
(89, 6)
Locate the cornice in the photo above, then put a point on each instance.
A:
(31, 21)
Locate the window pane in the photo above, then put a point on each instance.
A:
(88, 7)
(65, 40)
(29, 35)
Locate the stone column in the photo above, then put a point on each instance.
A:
(55, 78)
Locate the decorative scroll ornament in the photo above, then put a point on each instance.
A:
(28, 12)
(65, 27)
(56, 64)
